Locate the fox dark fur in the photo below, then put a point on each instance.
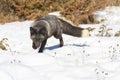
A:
(47, 26)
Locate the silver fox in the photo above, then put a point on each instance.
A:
(47, 26)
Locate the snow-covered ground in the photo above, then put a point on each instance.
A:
(85, 58)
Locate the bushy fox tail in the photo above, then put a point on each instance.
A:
(72, 30)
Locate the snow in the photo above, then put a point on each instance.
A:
(86, 58)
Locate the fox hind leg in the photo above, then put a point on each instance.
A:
(61, 41)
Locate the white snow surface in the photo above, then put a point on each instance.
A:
(84, 58)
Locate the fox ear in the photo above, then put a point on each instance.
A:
(32, 30)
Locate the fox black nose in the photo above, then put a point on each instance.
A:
(33, 46)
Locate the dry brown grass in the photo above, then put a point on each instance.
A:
(77, 11)
(114, 2)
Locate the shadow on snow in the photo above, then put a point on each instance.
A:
(57, 46)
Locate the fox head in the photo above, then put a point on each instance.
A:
(38, 35)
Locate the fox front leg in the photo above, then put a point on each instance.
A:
(42, 46)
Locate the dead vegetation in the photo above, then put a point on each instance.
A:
(77, 11)
(3, 44)
(117, 34)
(104, 31)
